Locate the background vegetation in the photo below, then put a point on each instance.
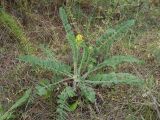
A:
(25, 24)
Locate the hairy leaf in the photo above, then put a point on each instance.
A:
(116, 60)
(44, 88)
(48, 52)
(84, 58)
(87, 92)
(104, 43)
(63, 106)
(52, 65)
(70, 35)
(116, 78)
(111, 33)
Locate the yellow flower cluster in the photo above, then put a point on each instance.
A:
(79, 39)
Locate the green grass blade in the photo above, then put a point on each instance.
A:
(18, 103)
(13, 26)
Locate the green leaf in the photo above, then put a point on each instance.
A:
(88, 92)
(41, 91)
(44, 88)
(73, 45)
(84, 58)
(116, 60)
(63, 106)
(48, 52)
(116, 78)
(104, 43)
(74, 105)
(113, 62)
(52, 65)
(111, 33)
(70, 35)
